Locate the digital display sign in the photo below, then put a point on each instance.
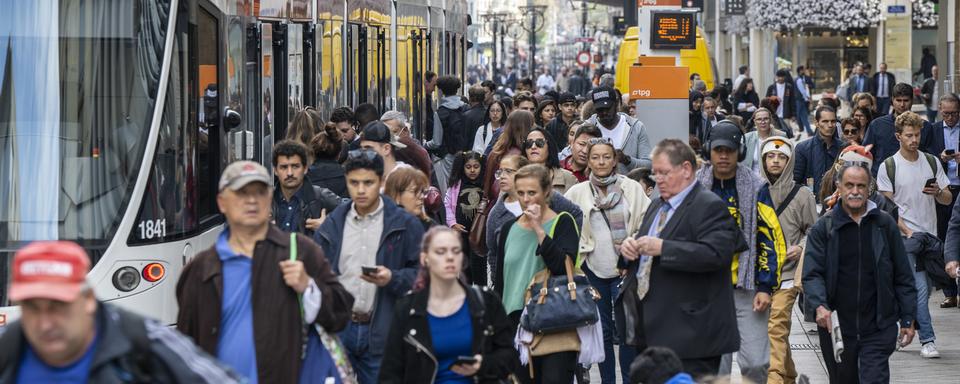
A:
(673, 30)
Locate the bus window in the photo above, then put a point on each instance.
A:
(208, 124)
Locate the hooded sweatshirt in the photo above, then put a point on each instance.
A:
(800, 213)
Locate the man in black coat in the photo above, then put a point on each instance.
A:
(870, 287)
(786, 92)
(678, 292)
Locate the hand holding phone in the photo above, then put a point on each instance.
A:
(465, 360)
(369, 271)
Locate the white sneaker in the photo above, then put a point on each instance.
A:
(929, 351)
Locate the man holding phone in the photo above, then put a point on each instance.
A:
(915, 181)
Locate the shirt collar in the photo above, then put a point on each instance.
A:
(223, 246)
(375, 214)
(677, 199)
(949, 127)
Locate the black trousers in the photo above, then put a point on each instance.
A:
(863, 361)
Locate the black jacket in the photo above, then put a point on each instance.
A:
(473, 118)
(328, 173)
(313, 199)
(565, 242)
(875, 84)
(896, 293)
(129, 348)
(789, 101)
(410, 347)
(689, 307)
(932, 140)
(558, 129)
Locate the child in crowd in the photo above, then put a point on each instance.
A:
(463, 203)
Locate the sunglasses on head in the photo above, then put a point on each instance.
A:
(600, 140)
(366, 154)
(539, 143)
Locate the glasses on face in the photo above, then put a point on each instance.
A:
(365, 154)
(504, 172)
(539, 143)
(419, 193)
(952, 114)
(851, 132)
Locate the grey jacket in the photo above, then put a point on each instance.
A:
(499, 215)
(636, 145)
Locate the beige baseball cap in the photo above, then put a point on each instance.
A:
(242, 172)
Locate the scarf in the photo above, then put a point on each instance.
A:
(748, 185)
(607, 205)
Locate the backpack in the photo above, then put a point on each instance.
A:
(454, 131)
(891, 166)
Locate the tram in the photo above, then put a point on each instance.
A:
(117, 116)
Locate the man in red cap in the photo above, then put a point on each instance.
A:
(65, 335)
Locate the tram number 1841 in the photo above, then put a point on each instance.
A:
(151, 229)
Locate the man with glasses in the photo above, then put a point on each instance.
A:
(869, 287)
(943, 140)
(677, 292)
(373, 246)
(557, 128)
(881, 132)
(628, 134)
(817, 154)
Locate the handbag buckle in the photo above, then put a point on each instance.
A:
(571, 286)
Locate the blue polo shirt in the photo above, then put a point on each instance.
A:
(235, 346)
(34, 370)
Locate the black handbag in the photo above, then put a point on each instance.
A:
(562, 303)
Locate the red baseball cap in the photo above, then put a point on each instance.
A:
(53, 270)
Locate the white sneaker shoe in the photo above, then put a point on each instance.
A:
(929, 351)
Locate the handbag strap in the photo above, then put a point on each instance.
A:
(567, 265)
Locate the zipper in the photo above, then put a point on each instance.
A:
(409, 339)
(859, 273)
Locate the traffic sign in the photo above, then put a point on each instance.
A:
(583, 58)
(896, 9)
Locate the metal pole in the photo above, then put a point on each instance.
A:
(717, 59)
(496, 28)
(533, 40)
(503, 49)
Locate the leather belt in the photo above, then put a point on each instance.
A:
(360, 318)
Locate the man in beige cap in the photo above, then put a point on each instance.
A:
(65, 335)
(240, 299)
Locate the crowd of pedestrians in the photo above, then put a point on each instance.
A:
(368, 255)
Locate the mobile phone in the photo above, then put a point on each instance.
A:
(465, 360)
(931, 182)
(949, 152)
(369, 271)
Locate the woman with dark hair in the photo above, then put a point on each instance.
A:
(546, 111)
(326, 171)
(463, 202)
(496, 116)
(515, 131)
(445, 331)
(721, 94)
(539, 148)
(407, 186)
(864, 116)
(851, 131)
(745, 99)
(613, 207)
(697, 123)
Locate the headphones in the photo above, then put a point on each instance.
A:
(741, 148)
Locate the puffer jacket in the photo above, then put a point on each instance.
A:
(800, 213)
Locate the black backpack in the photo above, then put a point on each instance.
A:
(454, 130)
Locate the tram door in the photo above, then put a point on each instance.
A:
(357, 67)
(377, 67)
(261, 37)
(417, 68)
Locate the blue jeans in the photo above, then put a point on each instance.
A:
(608, 291)
(924, 322)
(356, 340)
(803, 116)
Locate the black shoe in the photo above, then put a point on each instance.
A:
(950, 302)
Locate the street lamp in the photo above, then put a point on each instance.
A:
(514, 29)
(494, 22)
(535, 13)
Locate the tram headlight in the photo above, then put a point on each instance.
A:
(126, 279)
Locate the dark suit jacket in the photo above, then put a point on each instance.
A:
(875, 84)
(852, 86)
(789, 101)
(689, 307)
(931, 140)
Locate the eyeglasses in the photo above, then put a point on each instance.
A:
(600, 140)
(500, 172)
(365, 154)
(539, 143)
(421, 193)
(954, 113)
(851, 131)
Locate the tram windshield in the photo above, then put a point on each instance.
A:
(78, 85)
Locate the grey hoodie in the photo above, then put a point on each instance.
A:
(450, 102)
(799, 215)
(636, 144)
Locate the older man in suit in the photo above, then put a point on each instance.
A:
(678, 292)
